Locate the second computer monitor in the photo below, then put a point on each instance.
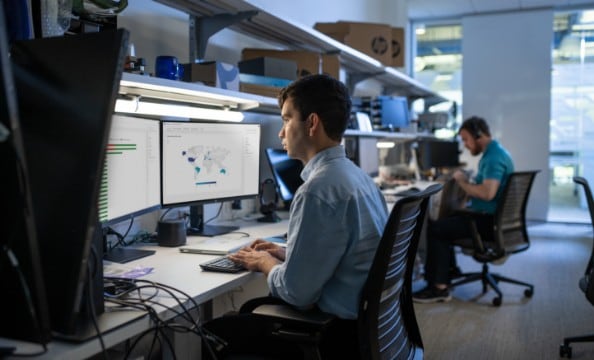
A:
(434, 153)
(209, 162)
(286, 172)
(131, 180)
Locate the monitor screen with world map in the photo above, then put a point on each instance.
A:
(206, 162)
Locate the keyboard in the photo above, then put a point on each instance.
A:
(222, 264)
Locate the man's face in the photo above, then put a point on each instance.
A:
(470, 142)
(293, 134)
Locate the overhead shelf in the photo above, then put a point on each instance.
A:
(133, 85)
(294, 36)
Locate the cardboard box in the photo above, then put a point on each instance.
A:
(269, 67)
(269, 91)
(398, 52)
(331, 65)
(308, 62)
(370, 38)
(213, 73)
(263, 80)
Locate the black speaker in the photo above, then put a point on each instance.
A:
(268, 199)
(171, 233)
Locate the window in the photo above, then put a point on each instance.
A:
(438, 65)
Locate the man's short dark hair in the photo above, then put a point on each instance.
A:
(323, 95)
(476, 126)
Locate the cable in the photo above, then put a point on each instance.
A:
(12, 259)
(164, 213)
(91, 300)
(138, 286)
(217, 215)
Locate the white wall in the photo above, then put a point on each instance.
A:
(506, 80)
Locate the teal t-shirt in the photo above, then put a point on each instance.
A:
(497, 164)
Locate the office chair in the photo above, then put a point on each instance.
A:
(586, 283)
(386, 324)
(509, 236)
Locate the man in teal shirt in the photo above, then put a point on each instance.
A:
(494, 169)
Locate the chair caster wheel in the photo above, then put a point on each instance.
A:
(565, 351)
(497, 301)
(528, 292)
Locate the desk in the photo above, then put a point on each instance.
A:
(173, 268)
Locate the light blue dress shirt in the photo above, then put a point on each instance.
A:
(336, 221)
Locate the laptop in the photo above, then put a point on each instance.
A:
(217, 245)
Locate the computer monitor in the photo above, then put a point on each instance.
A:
(131, 179)
(394, 112)
(23, 308)
(207, 162)
(435, 153)
(286, 173)
(66, 89)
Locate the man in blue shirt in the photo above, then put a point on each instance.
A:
(336, 218)
(494, 168)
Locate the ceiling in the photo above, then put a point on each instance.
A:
(433, 9)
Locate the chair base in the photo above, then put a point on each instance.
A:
(565, 349)
(491, 279)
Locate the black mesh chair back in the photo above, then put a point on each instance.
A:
(510, 217)
(509, 236)
(586, 283)
(387, 324)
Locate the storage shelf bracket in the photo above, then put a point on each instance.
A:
(203, 27)
(354, 78)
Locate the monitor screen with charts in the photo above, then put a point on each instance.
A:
(131, 179)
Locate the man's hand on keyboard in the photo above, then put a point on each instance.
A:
(255, 260)
(273, 249)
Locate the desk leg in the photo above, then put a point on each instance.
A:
(205, 311)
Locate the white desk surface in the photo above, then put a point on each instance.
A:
(172, 268)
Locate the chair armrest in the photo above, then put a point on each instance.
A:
(471, 213)
(251, 304)
(310, 317)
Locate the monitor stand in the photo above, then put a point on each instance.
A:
(121, 254)
(198, 228)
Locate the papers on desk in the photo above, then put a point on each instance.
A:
(216, 245)
(116, 270)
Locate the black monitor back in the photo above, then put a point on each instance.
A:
(66, 88)
(435, 153)
(23, 307)
(286, 172)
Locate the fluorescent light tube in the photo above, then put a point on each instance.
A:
(171, 110)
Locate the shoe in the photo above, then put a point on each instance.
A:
(431, 294)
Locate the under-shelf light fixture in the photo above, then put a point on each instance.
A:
(137, 105)
(385, 144)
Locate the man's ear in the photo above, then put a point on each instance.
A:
(314, 123)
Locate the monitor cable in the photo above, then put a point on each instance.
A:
(90, 298)
(14, 263)
(121, 237)
(126, 298)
